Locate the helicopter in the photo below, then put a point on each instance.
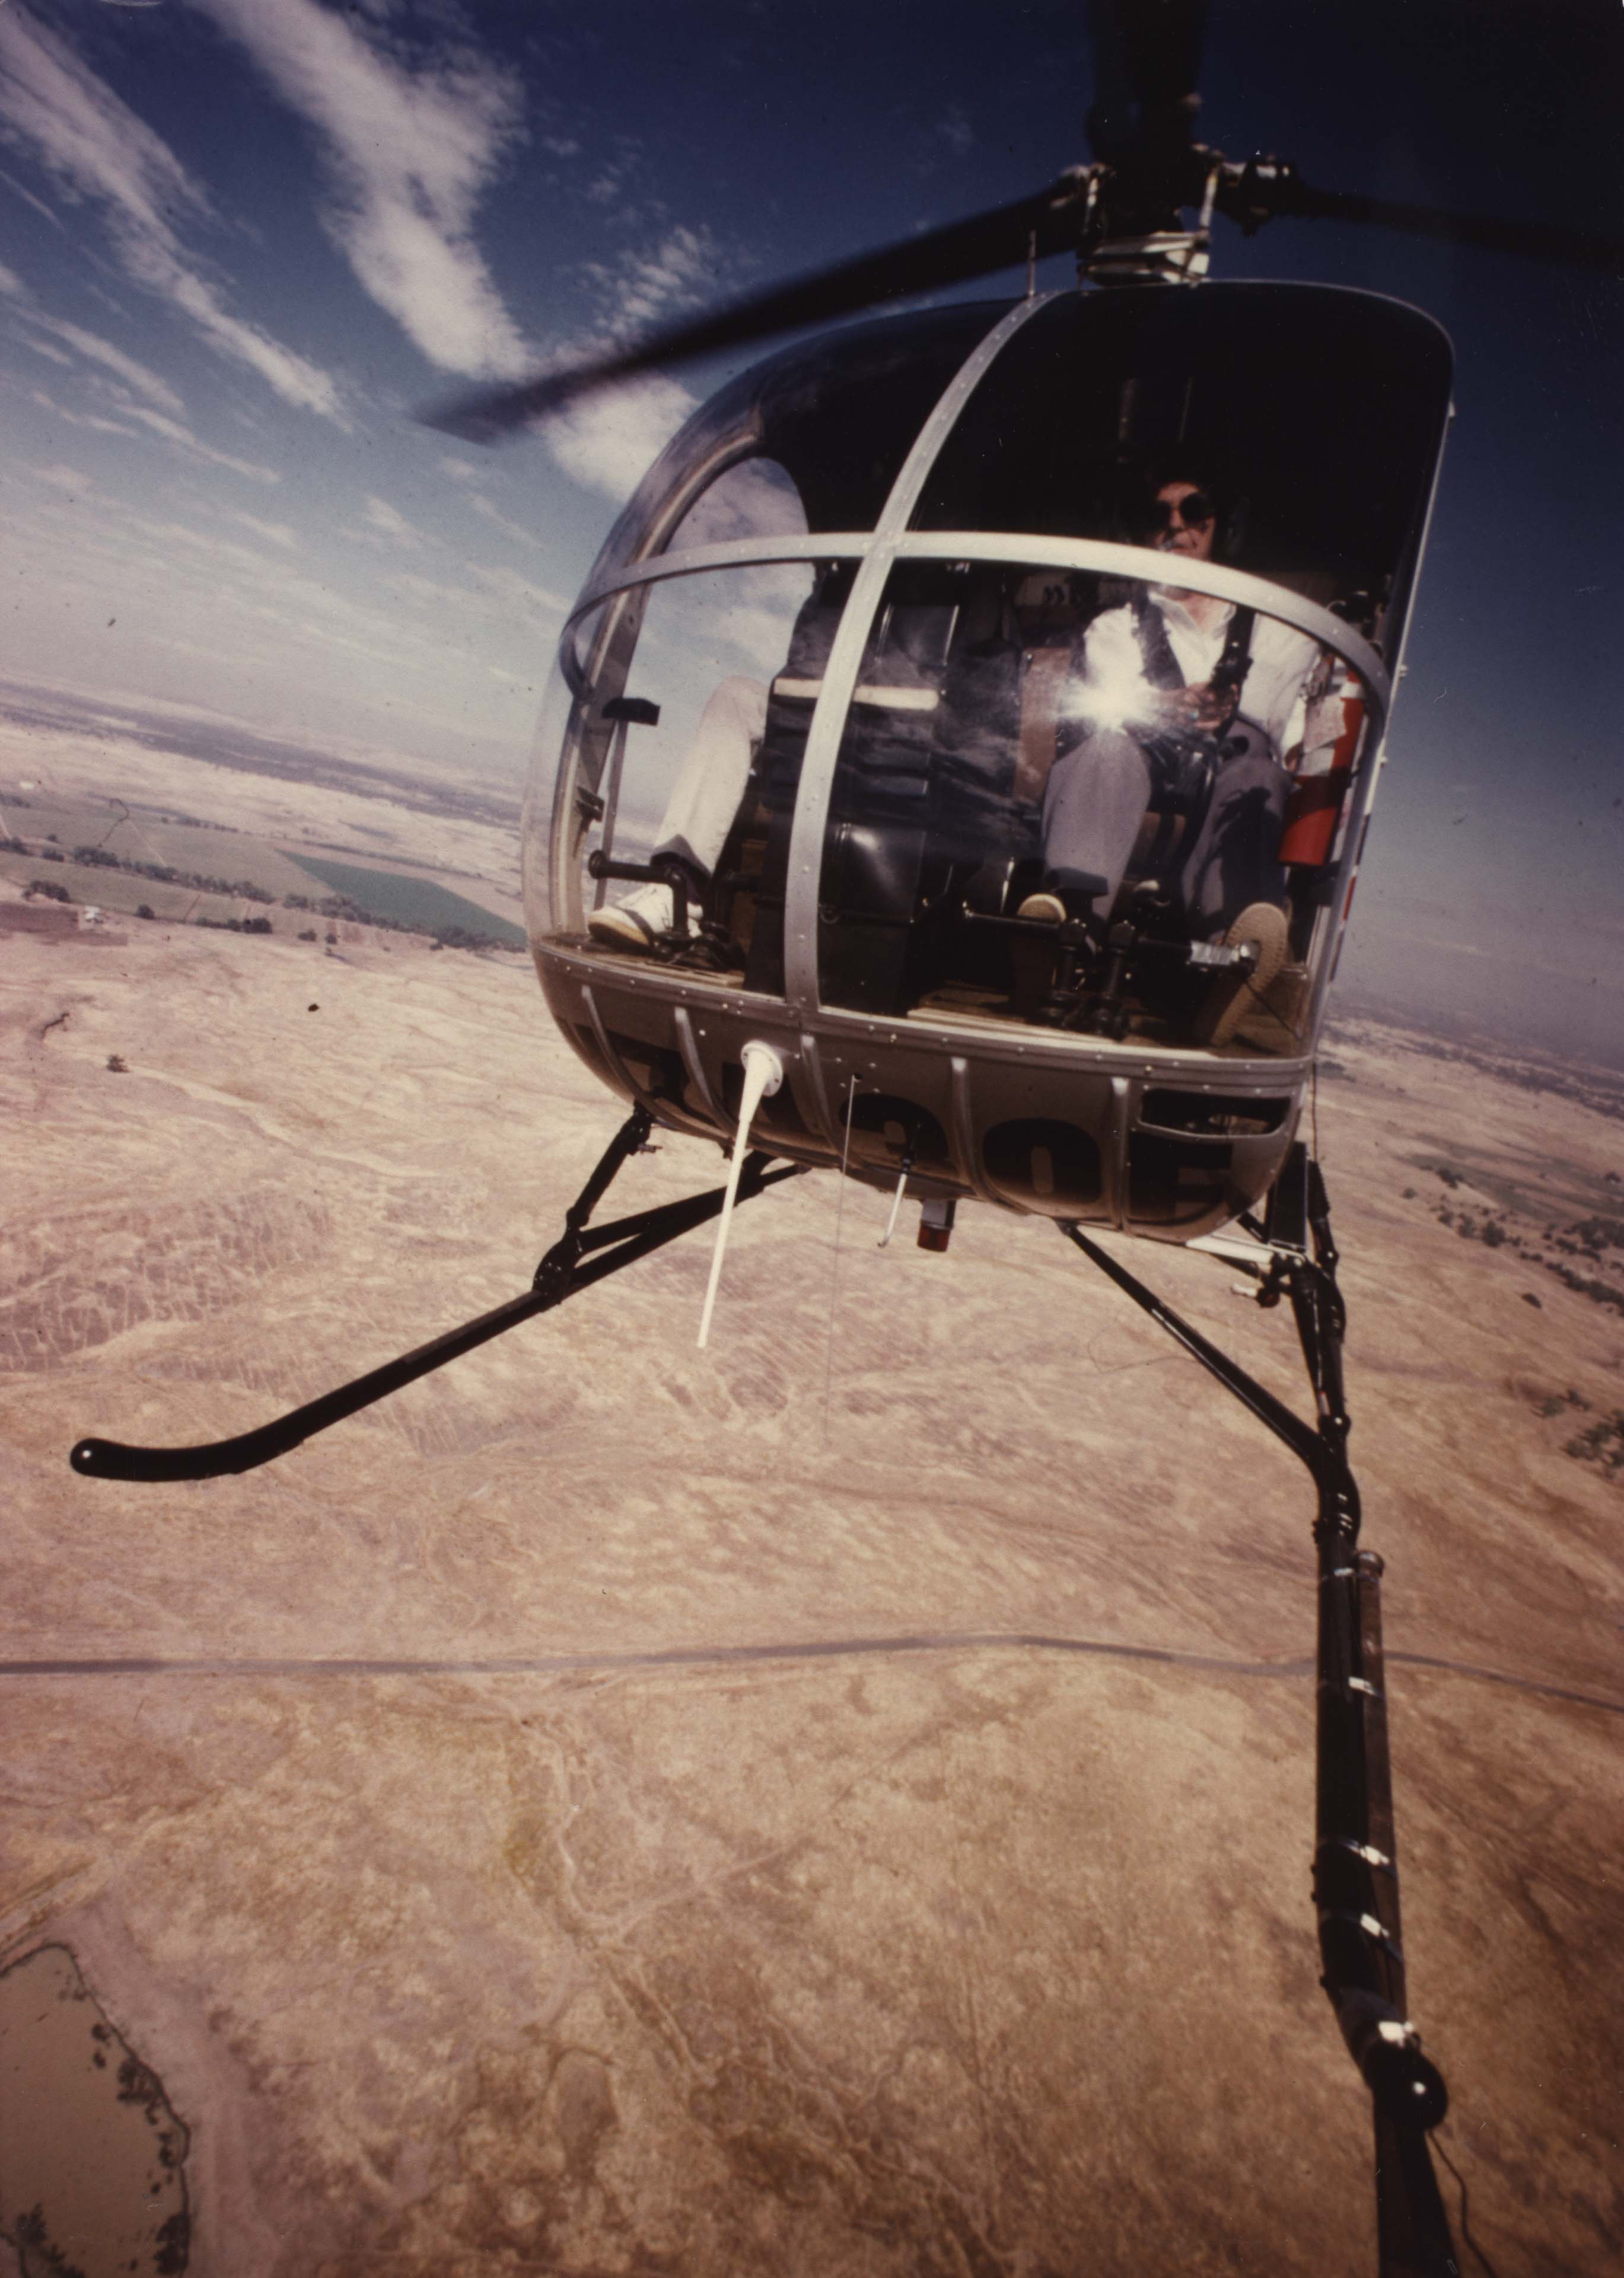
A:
(797, 871)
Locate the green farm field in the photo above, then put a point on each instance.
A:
(392, 894)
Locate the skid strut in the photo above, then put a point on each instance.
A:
(1355, 1868)
(581, 1255)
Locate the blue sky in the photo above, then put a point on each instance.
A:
(240, 240)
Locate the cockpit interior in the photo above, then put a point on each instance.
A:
(916, 608)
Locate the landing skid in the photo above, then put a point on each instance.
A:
(1355, 1869)
(1355, 1875)
(581, 1255)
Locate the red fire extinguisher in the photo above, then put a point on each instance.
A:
(1315, 804)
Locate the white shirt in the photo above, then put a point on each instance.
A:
(1271, 693)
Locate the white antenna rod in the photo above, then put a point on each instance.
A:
(763, 1073)
(896, 1205)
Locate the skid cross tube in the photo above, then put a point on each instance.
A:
(569, 1265)
(1355, 1871)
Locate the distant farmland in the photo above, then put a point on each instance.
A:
(389, 895)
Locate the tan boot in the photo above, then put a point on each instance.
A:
(1233, 994)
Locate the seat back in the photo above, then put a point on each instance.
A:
(769, 807)
(876, 840)
(879, 818)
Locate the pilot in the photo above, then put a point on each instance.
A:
(1163, 677)
(704, 798)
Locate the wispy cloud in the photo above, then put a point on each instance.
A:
(519, 593)
(278, 533)
(608, 441)
(217, 549)
(98, 351)
(410, 147)
(494, 590)
(247, 580)
(52, 105)
(66, 479)
(78, 418)
(642, 290)
(505, 523)
(120, 393)
(954, 129)
(617, 180)
(28, 199)
(162, 411)
(388, 519)
(244, 605)
(750, 498)
(176, 432)
(432, 592)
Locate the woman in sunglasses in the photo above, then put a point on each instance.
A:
(1187, 704)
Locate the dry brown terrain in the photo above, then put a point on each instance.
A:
(837, 1804)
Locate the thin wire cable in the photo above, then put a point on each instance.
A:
(1466, 2228)
(1313, 1107)
(834, 1271)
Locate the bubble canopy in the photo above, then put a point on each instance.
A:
(903, 649)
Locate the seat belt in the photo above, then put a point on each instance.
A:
(1229, 673)
(1162, 667)
(1187, 763)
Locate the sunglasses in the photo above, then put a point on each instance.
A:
(1192, 511)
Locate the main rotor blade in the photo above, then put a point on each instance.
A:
(953, 255)
(1544, 241)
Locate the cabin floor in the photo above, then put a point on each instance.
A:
(1269, 1030)
(838, 1804)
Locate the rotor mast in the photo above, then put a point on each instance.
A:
(1148, 168)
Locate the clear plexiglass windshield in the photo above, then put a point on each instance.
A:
(1050, 784)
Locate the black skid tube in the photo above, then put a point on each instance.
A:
(569, 1267)
(1355, 1866)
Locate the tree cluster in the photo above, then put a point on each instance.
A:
(341, 906)
(166, 874)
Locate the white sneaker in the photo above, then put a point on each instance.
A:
(635, 923)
